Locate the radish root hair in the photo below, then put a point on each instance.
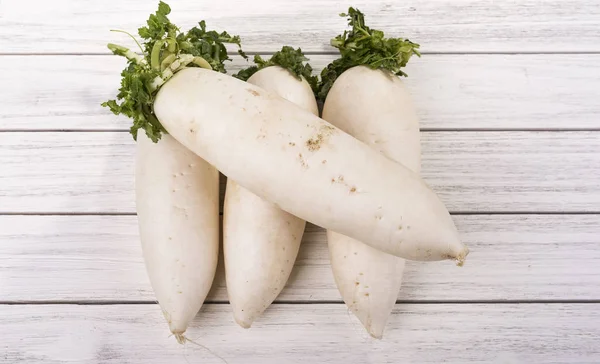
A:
(182, 339)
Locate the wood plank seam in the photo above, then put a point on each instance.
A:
(305, 302)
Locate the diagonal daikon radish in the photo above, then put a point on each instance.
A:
(261, 241)
(306, 166)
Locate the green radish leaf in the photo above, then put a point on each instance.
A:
(163, 45)
(289, 58)
(363, 46)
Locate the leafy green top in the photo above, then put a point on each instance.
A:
(165, 51)
(365, 46)
(288, 58)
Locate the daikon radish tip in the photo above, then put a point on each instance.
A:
(461, 257)
(245, 324)
(180, 337)
(375, 334)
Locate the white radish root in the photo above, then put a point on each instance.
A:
(261, 241)
(177, 196)
(374, 107)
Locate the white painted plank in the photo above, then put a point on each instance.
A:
(439, 25)
(117, 334)
(513, 257)
(471, 171)
(450, 91)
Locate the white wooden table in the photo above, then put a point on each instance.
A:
(509, 98)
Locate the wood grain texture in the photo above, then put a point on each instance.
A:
(439, 25)
(120, 334)
(513, 257)
(450, 91)
(462, 83)
(471, 171)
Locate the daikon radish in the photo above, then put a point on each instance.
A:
(261, 241)
(381, 114)
(177, 192)
(177, 202)
(292, 158)
(372, 104)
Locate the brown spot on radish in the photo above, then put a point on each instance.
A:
(333, 180)
(361, 274)
(253, 92)
(356, 283)
(313, 144)
(302, 161)
(324, 161)
(192, 130)
(243, 109)
(399, 227)
(292, 144)
(353, 189)
(179, 292)
(366, 295)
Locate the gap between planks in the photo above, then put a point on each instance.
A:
(303, 302)
(423, 130)
(454, 213)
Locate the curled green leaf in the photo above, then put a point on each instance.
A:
(165, 51)
(289, 58)
(363, 46)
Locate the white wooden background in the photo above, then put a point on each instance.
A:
(509, 98)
